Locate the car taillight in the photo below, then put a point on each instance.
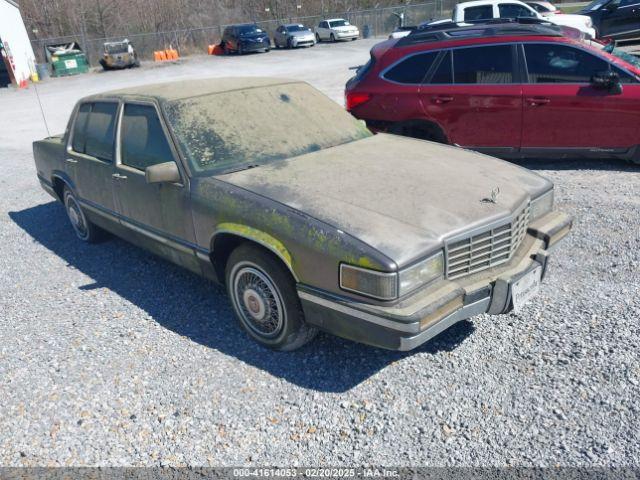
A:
(354, 99)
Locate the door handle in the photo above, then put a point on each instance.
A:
(442, 99)
(537, 101)
(71, 160)
(118, 176)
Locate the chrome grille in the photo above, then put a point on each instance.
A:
(486, 249)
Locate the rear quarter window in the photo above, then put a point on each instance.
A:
(411, 70)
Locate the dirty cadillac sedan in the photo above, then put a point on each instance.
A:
(310, 221)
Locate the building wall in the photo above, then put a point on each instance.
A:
(14, 35)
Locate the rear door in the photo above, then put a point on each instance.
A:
(562, 109)
(91, 152)
(402, 101)
(475, 95)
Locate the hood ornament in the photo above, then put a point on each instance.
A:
(494, 196)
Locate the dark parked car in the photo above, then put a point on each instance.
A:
(618, 19)
(510, 89)
(310, 220)
(245, 38)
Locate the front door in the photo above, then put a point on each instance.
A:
(89, 160)
(158, 215)
(620, 19)
(475, 95)
(562, 109)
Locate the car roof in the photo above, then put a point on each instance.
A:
(478, 3)
(184, 89)
(334, 19)
(292, 24)
(480, 30)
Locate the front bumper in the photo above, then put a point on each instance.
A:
(413, 321)
(347, 35)
(255, 46)
(303, 42)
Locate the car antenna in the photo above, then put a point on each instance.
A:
(44, 119)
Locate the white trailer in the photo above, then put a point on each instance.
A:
(16, 52)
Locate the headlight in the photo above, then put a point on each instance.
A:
(541, 205)
(389, 286)
(421, 273)
(381, 285)
(589, 22)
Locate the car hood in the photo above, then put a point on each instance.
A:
(402, 196)
(306, 33)
(569, 19)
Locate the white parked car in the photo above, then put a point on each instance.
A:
(335, 29)
(479, 10)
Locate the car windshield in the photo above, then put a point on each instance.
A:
(296, 28)
(120, 47)
(245, 29)
(233, 130)
(339, 23)
(627, 57)
(595, 5)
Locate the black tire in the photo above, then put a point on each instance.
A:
(264, 297)
(318, 38)
(332, 37)
(240, 50)
(85, 230)
(289, 46)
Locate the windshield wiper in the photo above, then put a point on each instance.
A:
(241, 168)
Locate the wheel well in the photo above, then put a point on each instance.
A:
(58, 187)
(225, 243)
(423, 129)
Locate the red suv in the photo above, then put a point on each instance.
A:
(509, 89)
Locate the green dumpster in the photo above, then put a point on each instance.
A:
(66, 59)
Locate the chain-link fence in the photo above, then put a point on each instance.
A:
(377, 22)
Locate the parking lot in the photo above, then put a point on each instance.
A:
(110, 356)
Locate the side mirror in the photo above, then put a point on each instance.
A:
(607, 81)
(162, 173)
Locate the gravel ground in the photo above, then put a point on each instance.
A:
(110, 356)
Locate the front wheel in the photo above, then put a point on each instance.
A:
(333, 37)
(317, 38)
(265, 300)
(85, 230)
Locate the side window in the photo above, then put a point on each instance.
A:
(491, 64)
(100, 130)
(624, 76)
(412, 69)
(483, 12)
(79, 128)
(548, 63)
(513, 10)
(143, 142)
(443, 73)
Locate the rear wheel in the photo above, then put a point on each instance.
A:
(85, 230)
(265, 300)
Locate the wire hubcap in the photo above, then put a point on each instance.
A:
(258, 302)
